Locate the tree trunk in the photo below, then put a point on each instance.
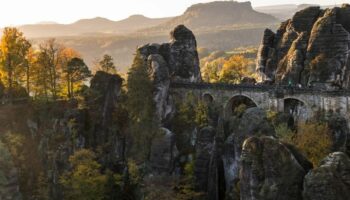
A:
(9, 67)
(28, 86)
(68, 87)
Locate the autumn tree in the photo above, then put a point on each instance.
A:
(313, 139)
(77, 71)
(106, 64)
(234, 69)
(211, 70)
(13, 54)
(28, 65)
(49, 61)
(40, 76)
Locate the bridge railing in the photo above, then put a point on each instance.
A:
(259, 87)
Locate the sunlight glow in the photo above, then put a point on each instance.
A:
(17, 12)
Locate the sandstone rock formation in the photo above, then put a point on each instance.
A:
(253, 123)
(180, 55)
(163, 152)
(9, 184)
(204, 147)
(338, 126)
(177, 60)
(311, 49)
(270, 170)
(217, 167)
(216, 176)
(330, 181)
(109, 87)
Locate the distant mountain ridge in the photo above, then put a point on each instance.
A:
(286, 11)
(218, 25)
(96, 25)
(218, 14)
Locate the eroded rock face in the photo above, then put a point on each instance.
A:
(161, 79)
(180, 55)
(340, 133)
(216, 175)
(109, 88)
(253, 123)
(183, 55)
(269, 170)
(9, 184)
(204, 147)
(311, 49)
(163, 153)
(330, 181)
(177, 60)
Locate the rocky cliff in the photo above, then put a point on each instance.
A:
(9, 187)
(311, 49)
(176, 60)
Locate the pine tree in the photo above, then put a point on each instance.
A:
(107, 65)
(141, 106)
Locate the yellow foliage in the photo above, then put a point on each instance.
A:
(211, 70)
(234, 69)
(312, 139)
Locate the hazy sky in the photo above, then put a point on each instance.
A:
(15, 12)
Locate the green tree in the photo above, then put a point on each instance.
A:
(13, 54)
(185, 114)
(202, 114)
(141, 106)
(77, 71)
(106, 64)
(84, 181)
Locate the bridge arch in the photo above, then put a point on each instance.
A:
(236, 101)
(297, 107)
(208, 98)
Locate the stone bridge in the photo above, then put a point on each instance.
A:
(303, 103)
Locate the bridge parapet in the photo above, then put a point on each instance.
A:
(262, 88)
(270, 97)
